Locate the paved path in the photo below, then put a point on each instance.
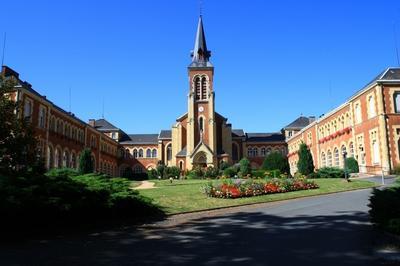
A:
(145, 185)
(326, 230)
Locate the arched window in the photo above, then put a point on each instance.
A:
(140, 153)
(154, 153)
(336, 153)
(268, 151)
(169, 152)
(50, 156)
(181, 165)
(197, 84)
(323, 159)
(371, 106)
(343, 149)
(135, 153)
(351, 149)
(263, 152)
(235, 154)
(249, 152)
(203, 88)
(255, 152)
(137, 169)
(58, 162)
(329, 158)
(201, 124)
(148, 153)
(73, 160)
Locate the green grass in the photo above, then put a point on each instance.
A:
(186, 195)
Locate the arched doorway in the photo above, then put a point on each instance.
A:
(200, 160)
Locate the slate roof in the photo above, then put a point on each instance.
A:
(265, 137)
(200, 54)
(140, 139)
(165, 134)
(104, 125)
(299, 123)
(238, 133)
(182, 153)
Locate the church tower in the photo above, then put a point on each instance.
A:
(201, 127)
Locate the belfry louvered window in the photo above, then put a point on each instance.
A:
(198, 88)
(203, 88)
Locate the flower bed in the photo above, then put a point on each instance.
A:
(247, 188)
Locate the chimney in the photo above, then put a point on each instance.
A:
(92, 122)
(6, 72)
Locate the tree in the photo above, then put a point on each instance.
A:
(305, 165)
(245, 167)
(18, 152)
(160, 169)
(223, 165)
(276, 161)
(86, 162)
(351, 165)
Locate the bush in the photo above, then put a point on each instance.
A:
(258, 173)
(230, 171)
(139, 176)
(53, 202)
(86, 162)
(352, 165)
(152, 174)
(385, 209)
(245, 167)
(196, 173)
(396, 170)
(330, 172)
(57, 172)
(276, 161)
(273, 174)
(211, 172)
(172, 171)
(305, 164)
(223, 165)
(160, 169)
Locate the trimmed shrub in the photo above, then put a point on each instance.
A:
(276, 161)
(172, 171)
(245, 167)
(160, 169)
(385, 209)
(258, 173)
(57, 172)
(152, 174)
(230, 171)
(196, 173)
(211, 172)
(352, 165)
(223, 165)
(305, 165)
(273, 173)
(86, 162)
(330, 172)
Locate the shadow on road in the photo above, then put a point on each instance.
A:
(236, 239)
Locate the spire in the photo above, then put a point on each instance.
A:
(200, 54)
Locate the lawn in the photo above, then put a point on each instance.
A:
(186, 195)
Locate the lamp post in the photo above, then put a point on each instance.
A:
(345, 166)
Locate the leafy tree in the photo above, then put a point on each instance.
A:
(172, 171)
(276, 161)
(160, 169)
(305, 165)
(352, 165)
(86, 162)
(245, 167)
(18, 151)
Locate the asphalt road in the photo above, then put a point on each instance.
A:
(325, 230)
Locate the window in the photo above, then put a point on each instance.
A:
(135, 153)
(323, 159)
(263, 152)
(42, 117)
(329, 158)
(154, 153)
(197, 88)
(343, 151)
(268, 151)
(181, 165)
(249, 152)
(28, 109)
(137, 169)
(357, 110)
(169, 152)
(337, 159)
(140, 153)
(235, 152)
(204, 88)
(201, 124)
(73, 160)
(351, 149)
(375, 147)
(397, 102)
(148, 153)
(371, 106)
(255, 152)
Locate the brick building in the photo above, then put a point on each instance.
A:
(365, 127)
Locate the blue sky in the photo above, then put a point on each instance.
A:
(274, 60)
